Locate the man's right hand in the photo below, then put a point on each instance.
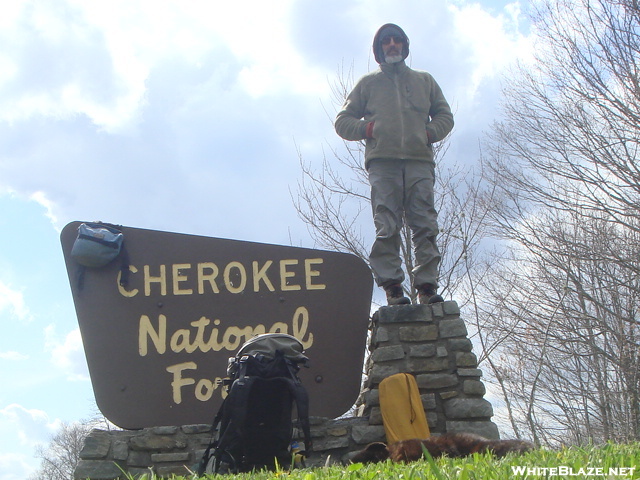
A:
(369, 131)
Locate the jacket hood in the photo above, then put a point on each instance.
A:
(389, 29)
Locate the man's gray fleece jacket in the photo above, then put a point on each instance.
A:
(408, 111)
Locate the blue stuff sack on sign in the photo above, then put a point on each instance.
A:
(97, 244)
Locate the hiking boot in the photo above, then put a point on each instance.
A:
(427, 294)
(395, 295)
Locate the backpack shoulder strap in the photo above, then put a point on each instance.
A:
(231, 418)
(224, 419)
(302, 402)
(212, 442)
(301, 397)
(302, 405)
(235, 411)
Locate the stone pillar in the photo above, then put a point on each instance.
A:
(430, 342)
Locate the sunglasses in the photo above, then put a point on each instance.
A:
(387, 39)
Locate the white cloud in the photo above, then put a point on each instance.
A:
(13, 356)
(96, 57)
(33, 427)
(12, 301)
(15, 466)
(67, 353)
(41, 198)
(113, 107)
(493, 42)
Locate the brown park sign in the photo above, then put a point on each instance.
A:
(157, 349)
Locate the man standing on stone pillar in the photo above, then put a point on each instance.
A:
(400, 113)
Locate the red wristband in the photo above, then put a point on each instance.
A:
(369, 131)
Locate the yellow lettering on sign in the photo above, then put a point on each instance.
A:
(285, 275)
(212, 343)
(309, 274)
(210, 277)
(205, 277)
(235, 336)
(300, 326)
(158, 337)
(178, 277)
(121, 289)
(227, 277)
(261, 274)
(179, 381)
(149, 279)
(279, 327)
(203, 389)
(190, 340)
(199, 342)
(259, 330)
(180, 341)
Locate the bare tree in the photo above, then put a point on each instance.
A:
(60, 458)
(567, 183)
(567, 357)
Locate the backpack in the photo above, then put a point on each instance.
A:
(403, 415)
(253, 428)
(97, 245)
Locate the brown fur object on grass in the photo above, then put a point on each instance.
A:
(450, 444)
(454, 445)
(373, 453)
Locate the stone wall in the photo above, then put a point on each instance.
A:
(168, 451)
(162, 450)
(429, 341)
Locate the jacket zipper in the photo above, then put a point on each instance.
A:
(399, 106)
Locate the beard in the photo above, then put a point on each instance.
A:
(393, 58)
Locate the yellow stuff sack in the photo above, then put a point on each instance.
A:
(402, 412)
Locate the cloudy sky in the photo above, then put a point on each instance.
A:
(184, 116)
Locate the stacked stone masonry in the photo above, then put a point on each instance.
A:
(431, 343)
(168, 451)
(428, 341)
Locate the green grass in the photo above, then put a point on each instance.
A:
(577, 462)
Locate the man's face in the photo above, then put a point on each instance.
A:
(392, 46)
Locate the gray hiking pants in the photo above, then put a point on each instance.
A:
(403, 189)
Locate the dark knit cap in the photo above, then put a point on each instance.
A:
(387, 30)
